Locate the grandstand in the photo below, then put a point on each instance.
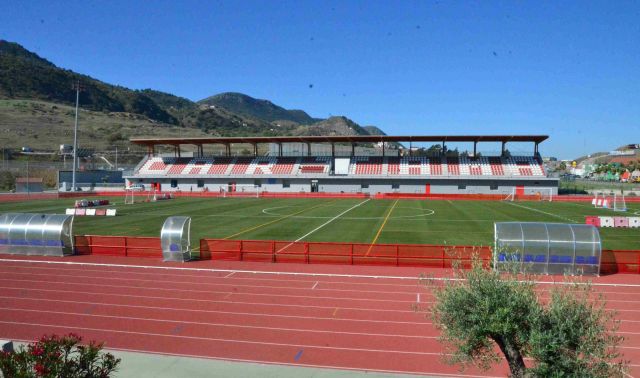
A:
(401, 172)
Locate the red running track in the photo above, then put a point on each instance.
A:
(343, 317)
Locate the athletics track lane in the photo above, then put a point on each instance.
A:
(325, 320)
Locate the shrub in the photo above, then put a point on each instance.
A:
(55, 356)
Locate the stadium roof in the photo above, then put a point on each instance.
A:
(343, 139)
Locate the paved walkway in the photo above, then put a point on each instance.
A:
(143, 365)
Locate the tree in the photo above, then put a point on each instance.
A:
(568, 335)
(7, 180)
(575, 336)
(434, 150)
(54, 356)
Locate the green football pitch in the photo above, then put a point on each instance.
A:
(336, 220)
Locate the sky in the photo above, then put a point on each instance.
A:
(567, 69)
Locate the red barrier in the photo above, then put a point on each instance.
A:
(620, 261)
(569, 198)
(456, 196)
(419, 255)
(488, 197)
(19, 197)
(118, 246)
(15, 197)
(592, 220)
(340, 253)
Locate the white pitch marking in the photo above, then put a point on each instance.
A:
(229, 275)
(542, 212)
(266, 272)
(324, 224)
(425, 213)
(314, 285)
(418, 297)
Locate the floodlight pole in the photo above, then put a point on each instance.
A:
(28, 181)
(76, 86)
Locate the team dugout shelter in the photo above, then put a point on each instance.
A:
(342, 164)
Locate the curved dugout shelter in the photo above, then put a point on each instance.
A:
(36, 234)
(175, 239)
(549, 248)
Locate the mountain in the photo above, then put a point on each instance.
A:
(37, 99)
(14, 49)
(221, 122)
(374, 130)
(261, 109)
(24, 75)
(336, 125)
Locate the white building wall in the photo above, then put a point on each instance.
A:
(357, 185)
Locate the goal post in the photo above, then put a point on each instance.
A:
(242, 191)
(542, 194)
(511, 196)
(619, 204)
(129, 197)
(545, 194)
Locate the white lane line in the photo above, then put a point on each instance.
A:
(276, 273)
(224, 300)
(133, 318)
(219, 286)
(202, 338)
(176, 290)
(542, 212)
(220, 339)
(249, 294)
(267, 303)
(103, 275)
(250, 314)
(253, 313)
(264, 283)
(324, 224)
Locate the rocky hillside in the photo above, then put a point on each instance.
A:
(337, 125)
(261, 109)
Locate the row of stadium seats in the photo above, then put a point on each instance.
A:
(553, 259)
(359, 166)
